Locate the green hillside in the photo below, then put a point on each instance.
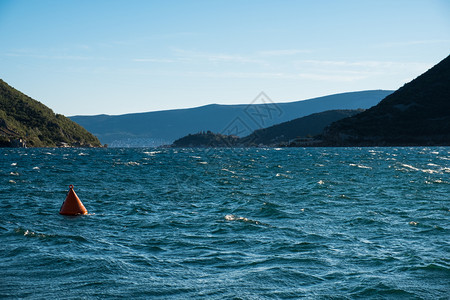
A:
(22, 117)
(416, 114)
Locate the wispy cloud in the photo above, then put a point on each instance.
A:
(364, 64)
(259, 58)
(279, 75)
(154, 60)
(351, 71)
(283, 52)
(216, 57)
(312, 70)
(342, 77)
(48, 57)
(412, 43)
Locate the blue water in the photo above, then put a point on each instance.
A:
(327, 223)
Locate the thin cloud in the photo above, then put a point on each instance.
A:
(154, 60)
(48, 57)
(256, 58)
(216, 57)
(365, 64)
(281, 75)
(330, 77)
(411, 43)
(285, 52)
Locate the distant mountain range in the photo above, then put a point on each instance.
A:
(416, 114)
(27, 122)
(274, 135)
(163, 127)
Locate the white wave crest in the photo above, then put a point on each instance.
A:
(152, 153)
(243, 219)
(360, 166)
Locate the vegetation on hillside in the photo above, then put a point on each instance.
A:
(22, 117)
(207, 139)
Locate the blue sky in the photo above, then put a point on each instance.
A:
(114, 57)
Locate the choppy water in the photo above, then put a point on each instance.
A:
(328, 223)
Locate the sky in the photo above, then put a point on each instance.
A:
(121, 56)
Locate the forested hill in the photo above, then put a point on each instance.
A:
(416, 114)
(25, 121)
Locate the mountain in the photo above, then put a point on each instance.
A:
(25, 121)
(272, 136)
(163, 127)
(416, 114)
(310, 125)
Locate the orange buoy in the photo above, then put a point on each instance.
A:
(72, 205)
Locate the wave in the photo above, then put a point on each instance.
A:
(152, 153)
(281, 175)
(29, 233)
(243, 219)
(360, 166)
(407, 167)
(129, 163)
(381, 290)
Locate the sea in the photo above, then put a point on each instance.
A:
(259, 223)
